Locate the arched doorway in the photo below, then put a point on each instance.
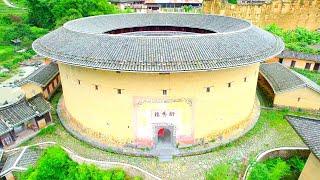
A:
(164, 136)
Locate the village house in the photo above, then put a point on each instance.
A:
(308, 129)
(287, 88)
(299, 60)
(23, 117)
(44, 80)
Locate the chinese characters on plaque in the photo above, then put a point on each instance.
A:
(164, 114)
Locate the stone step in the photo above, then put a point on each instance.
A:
(165, 158)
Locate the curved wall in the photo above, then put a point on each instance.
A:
(135, 115)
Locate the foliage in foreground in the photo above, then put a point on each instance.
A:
(222, 172)
(312, 75)
(299, 39)
(277, 168)
(56, 164)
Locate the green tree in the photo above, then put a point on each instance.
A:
(53, 13)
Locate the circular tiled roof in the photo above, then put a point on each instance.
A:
(228, 42)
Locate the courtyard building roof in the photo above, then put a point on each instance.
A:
(308, 129)
(299, 55)
(20, 160)
(43, 75)
(283, 79)
(212, 42)
(22, 111)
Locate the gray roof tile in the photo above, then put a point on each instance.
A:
(43, 75)
(84, 42)
(283, 79)
(309, 130)
(299, 55)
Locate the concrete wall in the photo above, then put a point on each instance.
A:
(288, 14)
(311, 169)
(309, 99)
(129, 117)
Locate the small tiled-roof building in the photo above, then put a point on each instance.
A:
(288, 88)
(44, 80)
(309, 131)
(20, 160)
(299, 60)
(32, 114)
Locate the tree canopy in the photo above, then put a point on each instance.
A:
(53, 13)
(56, 164)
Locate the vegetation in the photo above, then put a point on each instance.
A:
(299, 39)
(222, 172)
(277, 168)
(53, 13)
(232, 1)
(56, 164)
(312, 75)
(14, 27)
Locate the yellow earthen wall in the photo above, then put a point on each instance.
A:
(113, 114)
(31, 90)
(300, 63)
(288, 14)
(311, 170)
(309, 99)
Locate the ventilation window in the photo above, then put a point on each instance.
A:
(299, 99)
(118, 72)
(208, 89)
(79, 82)
(164, 92)
(96, 87)
(119, 91)
(245, 79)
(229, 84)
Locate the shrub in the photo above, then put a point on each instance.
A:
(56, 164)
(222, 172)
(277, 168)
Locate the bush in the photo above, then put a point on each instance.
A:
(277, 168)
(56, 164)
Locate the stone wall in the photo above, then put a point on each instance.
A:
(286, 13)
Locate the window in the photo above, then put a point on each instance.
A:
(118, 72)
(293, 63)
(280, 60)
(79, 82)
(245, 79)
(164, 92)
(229, 84)
(299, 99)
(208, 89)
(119, 91)
(96, 87)
(308, 65)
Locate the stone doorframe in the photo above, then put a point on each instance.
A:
(157, 126)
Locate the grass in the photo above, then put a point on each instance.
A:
(4, 9)
(312, 75)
